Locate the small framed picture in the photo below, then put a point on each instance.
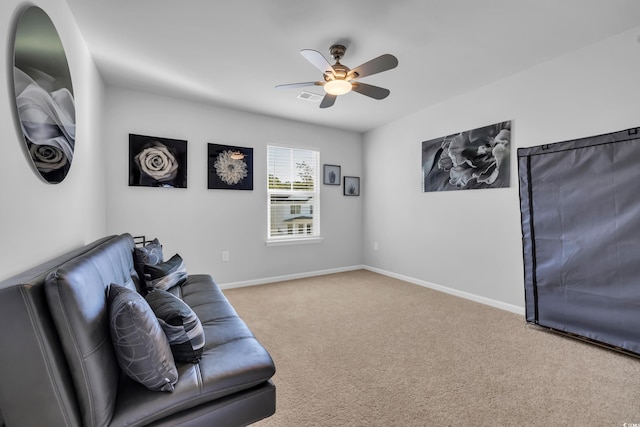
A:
(351, 186)
(331, 175)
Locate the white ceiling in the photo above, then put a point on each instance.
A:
(232, 53)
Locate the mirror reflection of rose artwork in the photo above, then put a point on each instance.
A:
(229, 167)
(44, 95)
(157, 162)
(477, 158)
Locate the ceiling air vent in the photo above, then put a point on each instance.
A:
(309, 96)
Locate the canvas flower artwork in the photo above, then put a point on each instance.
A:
(157, 162)
(473, 159)
(229, 167)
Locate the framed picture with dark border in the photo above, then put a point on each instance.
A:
(229, 167)
(351, 186)
(157, 162)
(331, 175)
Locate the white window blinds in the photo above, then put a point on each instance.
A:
(293, 193)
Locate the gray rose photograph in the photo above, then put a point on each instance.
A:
(229, 167)
(157, 162)
(477, 158)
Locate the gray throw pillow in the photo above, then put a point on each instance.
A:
(140, 345)
(180, 323)
(166, 274)
(151, 254)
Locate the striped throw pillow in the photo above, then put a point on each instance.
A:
(180, 324)
(166, 274)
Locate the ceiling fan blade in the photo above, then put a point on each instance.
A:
(328, 101)
(317, 60)
(371, 91)
(376, 65)
(295, 85)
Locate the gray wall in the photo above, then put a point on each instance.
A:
(40, 220)
(199, 223)
(469, 242)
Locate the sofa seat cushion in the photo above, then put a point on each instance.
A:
(208, 301)
(232, 361)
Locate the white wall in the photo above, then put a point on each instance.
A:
(199, 223)
(470, 241)
(40, 220)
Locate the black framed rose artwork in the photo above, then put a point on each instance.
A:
(44, 95)
(473, 159)
(157, 162)
(229, 167)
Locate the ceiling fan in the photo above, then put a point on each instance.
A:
(339, 79)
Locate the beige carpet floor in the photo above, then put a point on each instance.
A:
(362, 349)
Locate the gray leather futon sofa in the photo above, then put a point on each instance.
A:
(59, 367)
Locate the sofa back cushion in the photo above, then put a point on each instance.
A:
(76, 294)
(33, 368)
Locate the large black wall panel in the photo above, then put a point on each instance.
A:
(580, 207)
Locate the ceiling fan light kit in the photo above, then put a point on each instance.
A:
(340, 79)
(337, 87)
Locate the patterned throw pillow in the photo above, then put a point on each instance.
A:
(181, 325)
(151, 254)
(140, 344)
(165, 275)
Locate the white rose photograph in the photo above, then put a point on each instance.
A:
(157, 162)
(229, 167)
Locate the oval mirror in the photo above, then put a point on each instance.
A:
(44, 95)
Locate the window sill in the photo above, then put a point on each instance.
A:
(294, 241)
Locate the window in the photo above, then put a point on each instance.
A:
(293, 194)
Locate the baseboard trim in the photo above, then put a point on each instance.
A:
(466, 295)
(286, 277)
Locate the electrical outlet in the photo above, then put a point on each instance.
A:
(225, 256)
(376, 246)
